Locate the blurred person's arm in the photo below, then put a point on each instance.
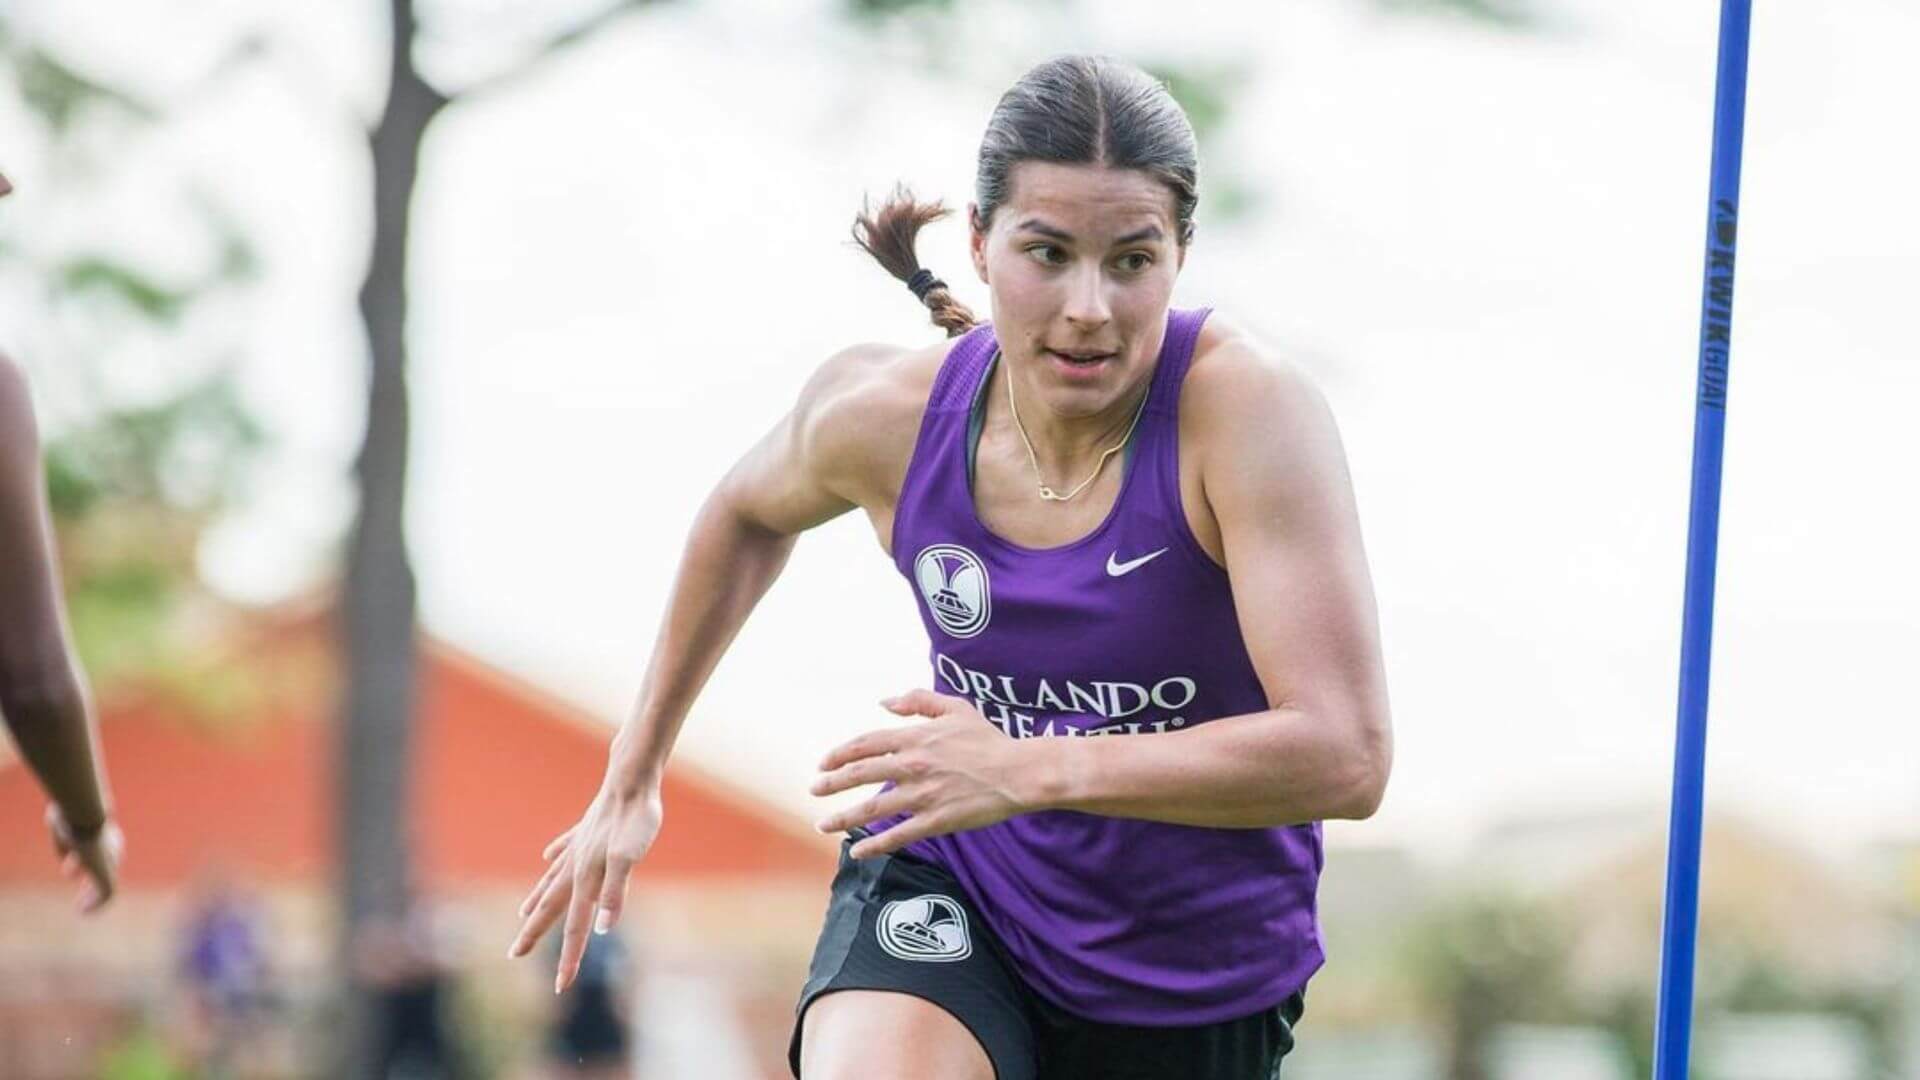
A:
(41, 696)
(845, 444)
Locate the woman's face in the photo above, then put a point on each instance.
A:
(1081, 261)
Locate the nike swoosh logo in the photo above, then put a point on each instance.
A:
(1118, 569)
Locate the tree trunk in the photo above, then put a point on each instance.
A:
(377, 606)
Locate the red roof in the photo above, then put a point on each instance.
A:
(499, 769)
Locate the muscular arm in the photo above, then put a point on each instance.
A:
(827, 456)
(1276, 481)
(838, 449)
(41, 698)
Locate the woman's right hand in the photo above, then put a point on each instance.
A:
(586, 877)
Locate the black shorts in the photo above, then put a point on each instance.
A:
(899, 923)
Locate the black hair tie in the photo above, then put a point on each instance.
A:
(923, 282)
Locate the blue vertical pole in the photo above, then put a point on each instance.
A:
(1673, 1032)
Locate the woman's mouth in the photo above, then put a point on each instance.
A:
(1079, 364)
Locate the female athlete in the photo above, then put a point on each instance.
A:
(1131, 536)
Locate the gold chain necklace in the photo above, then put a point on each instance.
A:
(1047, 493)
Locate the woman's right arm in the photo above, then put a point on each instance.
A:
(42, 700)
(830, 454)
(805, 472)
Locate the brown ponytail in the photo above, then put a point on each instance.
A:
(888, 234)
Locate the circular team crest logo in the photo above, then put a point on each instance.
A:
(931, 929)
(954, 582)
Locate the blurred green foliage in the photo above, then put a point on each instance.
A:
(58, 93)
(140, 1055)
(132, 491)
(874, 11)
(1749, 976)
(1206, 91)
(1481, 960)
(133, 484)
(93, 274)
(1514, 14)
(186, 454)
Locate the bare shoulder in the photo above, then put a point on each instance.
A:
(872, 383)
(859, 416)
(1243, 395)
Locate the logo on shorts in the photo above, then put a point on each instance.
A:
(930, 928)
(954, 582)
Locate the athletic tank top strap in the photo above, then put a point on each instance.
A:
(1176, 356)
(1153, 486)
(937, 485)
(960, 373)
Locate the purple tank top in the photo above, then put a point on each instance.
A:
(1128, 631)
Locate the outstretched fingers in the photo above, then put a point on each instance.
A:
(546, 909)
(613, 893)
(554, 870)
(556, 865)
(587, 880)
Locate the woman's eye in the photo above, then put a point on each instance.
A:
(1136, 261)
(1045, 253)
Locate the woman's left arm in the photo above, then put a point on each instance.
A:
(1276, 481)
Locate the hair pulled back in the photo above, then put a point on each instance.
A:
(1071, 110)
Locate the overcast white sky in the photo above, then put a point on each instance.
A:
(1486, 246)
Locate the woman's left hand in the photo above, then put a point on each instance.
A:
(955, 771)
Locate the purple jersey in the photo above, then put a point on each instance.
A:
(1129, 631)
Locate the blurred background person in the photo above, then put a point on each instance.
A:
(591, 1037)
(403, 962)
(226, 973)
